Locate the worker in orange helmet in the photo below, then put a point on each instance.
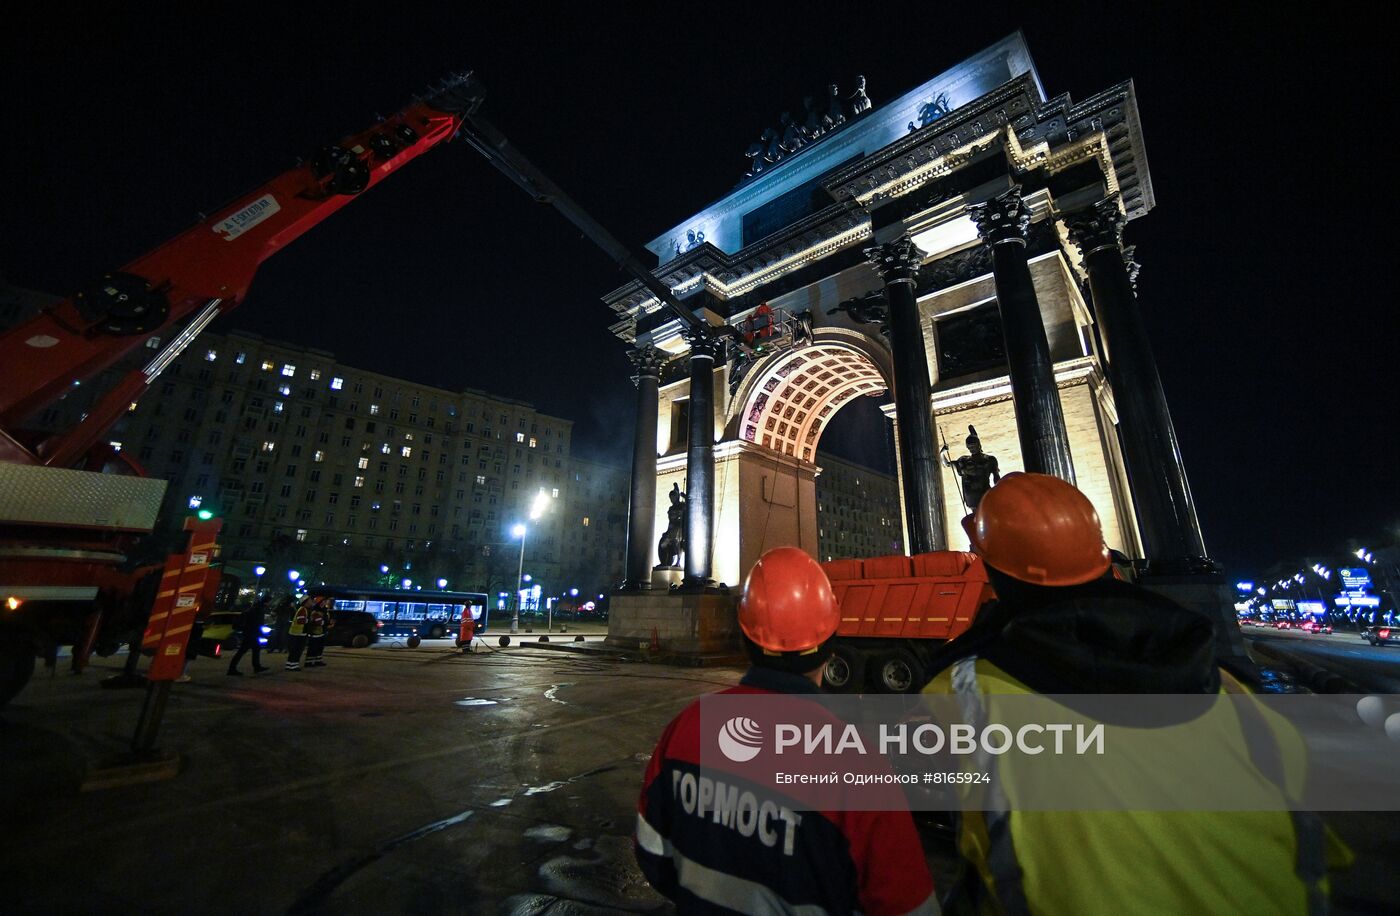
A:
(867, 862)
(1064, 624)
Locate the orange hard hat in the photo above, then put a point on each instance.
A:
(788, 605)
(1040, 529)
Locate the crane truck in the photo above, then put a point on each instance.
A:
(75, 512)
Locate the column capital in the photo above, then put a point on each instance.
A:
(1096, 228)
(648, 361)
(704, 343)
(896, 261)
(1003, 220)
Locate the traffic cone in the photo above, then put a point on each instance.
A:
(655, 644)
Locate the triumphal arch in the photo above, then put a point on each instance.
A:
(956, 251)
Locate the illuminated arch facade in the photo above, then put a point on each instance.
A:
(942, 246)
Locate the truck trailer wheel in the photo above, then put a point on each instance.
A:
(845, 670)
(16, 666)
(898, 671)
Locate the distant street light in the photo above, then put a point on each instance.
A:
(258, 571)
(519, 531)
(536, 510)
(442, 583)
(293, 575)
(408, 583)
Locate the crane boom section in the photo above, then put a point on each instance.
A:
(215, 260)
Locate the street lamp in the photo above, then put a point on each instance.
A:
(536, 510)
(293, 575)
(258, 571)
(442, 583)
(518, 531)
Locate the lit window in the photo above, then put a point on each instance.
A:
(319, 456)
(268, 445)
(211, 355)
(384, 449)
(277, 408)
(533, 443)
(556, 492)
(196, 502)
(268, 365)
(406, 451)
(116, 446)
(481, 479)
(241, 358)
(337, 384)
(364, 463)
(519, 437)
(285, 390)
(585, 521)
(374, 410)
(301, 534)
(289, 370)
(315, 374)
(360, 482)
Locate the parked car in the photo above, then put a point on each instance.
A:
(353, 629)
(1381, 636)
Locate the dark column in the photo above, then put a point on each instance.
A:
(641, 512)
(700, 463)
(1171, 533)
(898, 264)
(1040, 421)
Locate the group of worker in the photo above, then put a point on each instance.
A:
(311, 621)
(298, 627)
(1062, 624)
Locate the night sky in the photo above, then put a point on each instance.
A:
(1265, 263)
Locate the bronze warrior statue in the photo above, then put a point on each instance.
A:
(976, 470)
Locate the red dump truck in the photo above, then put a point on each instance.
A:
(895, 612)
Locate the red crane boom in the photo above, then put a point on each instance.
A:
(175, 290)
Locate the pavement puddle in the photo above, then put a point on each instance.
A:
(605, 881)
(502, 803)
(547, 787)
(552, 694)
(475, 701)
(549, 833)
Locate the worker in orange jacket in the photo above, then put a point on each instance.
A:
(832, 862)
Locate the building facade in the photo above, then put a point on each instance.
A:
(593, 535)
(857, 510)
(350, 476)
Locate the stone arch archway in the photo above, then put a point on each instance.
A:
(788, 399)
(765, 457)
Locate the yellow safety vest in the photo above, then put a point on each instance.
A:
(1126, 862)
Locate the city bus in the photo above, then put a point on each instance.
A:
(431, 615)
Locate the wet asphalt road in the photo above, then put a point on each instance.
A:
(392, 780)
(1373, 668)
